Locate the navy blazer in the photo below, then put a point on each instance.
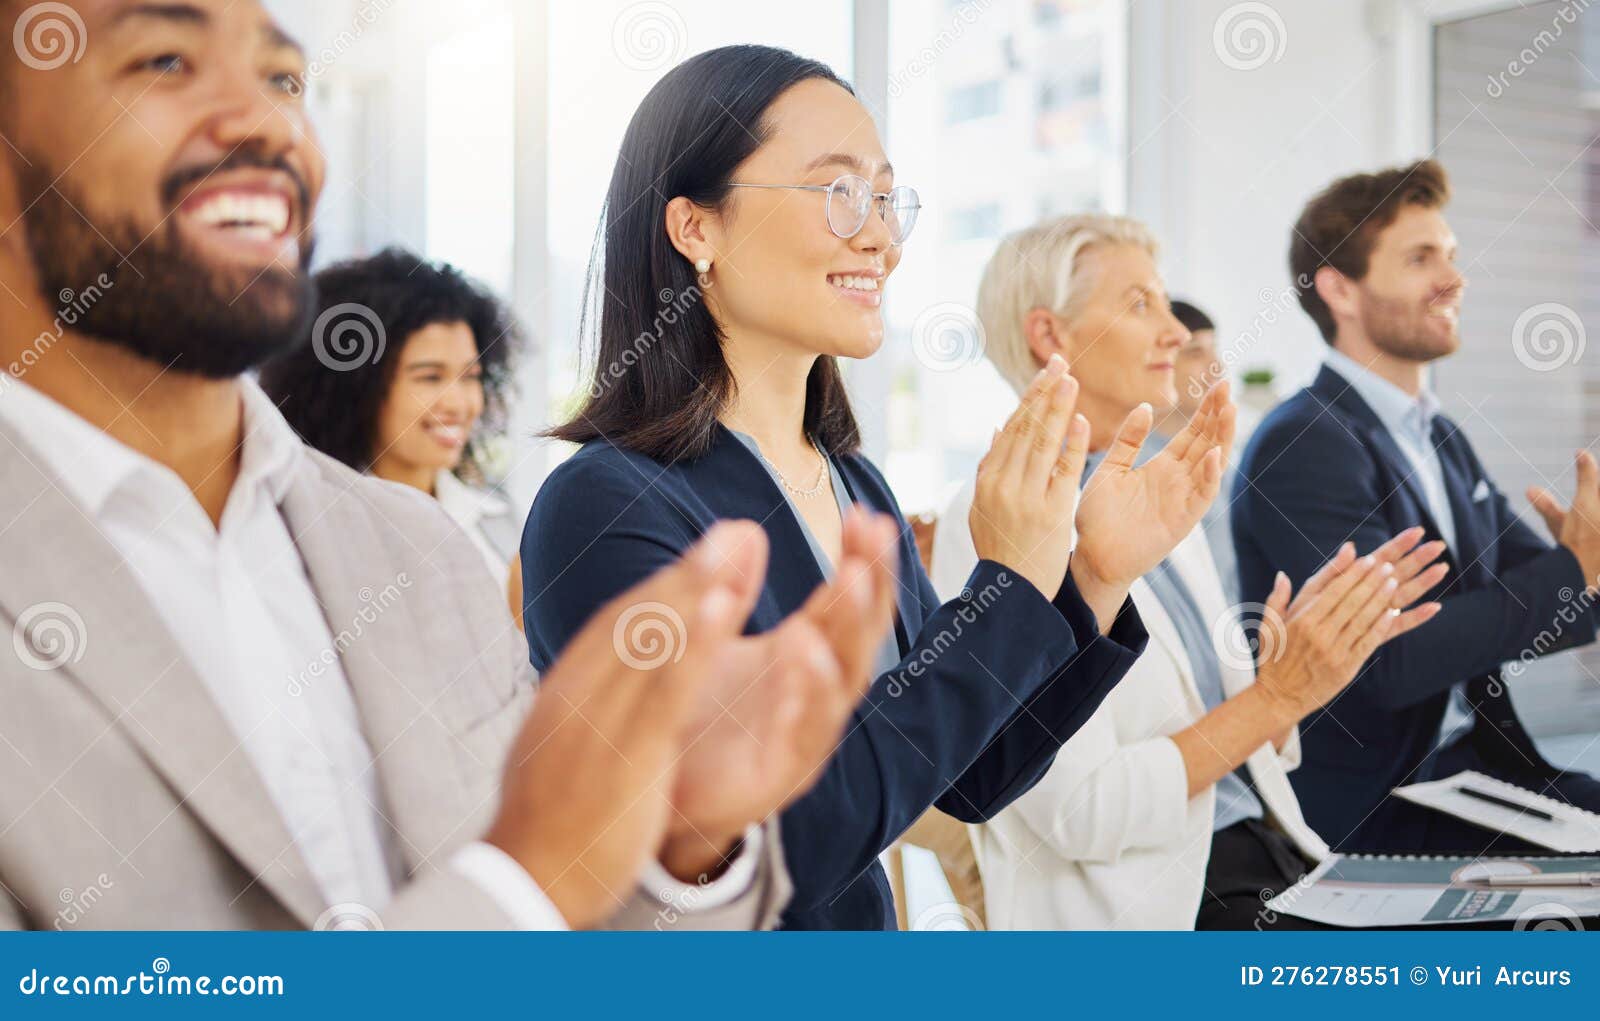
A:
(990, 685)
(1322, 469)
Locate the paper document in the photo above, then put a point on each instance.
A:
(1359, 891)
(1568, 829)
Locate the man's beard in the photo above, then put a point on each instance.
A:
(166, 303)
(1399, 329)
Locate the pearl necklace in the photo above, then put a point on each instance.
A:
(804, 494)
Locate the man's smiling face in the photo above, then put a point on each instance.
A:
(174, 156)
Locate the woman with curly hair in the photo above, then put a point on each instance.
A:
(406, 376)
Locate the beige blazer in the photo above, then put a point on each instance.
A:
(1109, 838)
(127, 802)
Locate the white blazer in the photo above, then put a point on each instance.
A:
(1109, 838)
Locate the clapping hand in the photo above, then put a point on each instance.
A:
(1576, 527)
(1130, 518)
(586, 797)
(1027, 484)
(1310, 647)
(778, 703)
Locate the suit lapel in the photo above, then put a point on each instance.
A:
(735, 484)
(908, 619)
(1471, 537)
(1335, 390)
(1164, 636)
(392, 664)
(135, 668)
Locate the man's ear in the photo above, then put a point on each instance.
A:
(1045, 336)
(690, 230)
(1337, 291)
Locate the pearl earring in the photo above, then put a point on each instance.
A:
(702, 266)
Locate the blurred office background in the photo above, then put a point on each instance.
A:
(482, 132)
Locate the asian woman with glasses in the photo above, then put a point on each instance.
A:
(751, 225)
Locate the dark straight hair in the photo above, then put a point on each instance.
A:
(660, 377)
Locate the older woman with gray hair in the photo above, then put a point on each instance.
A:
(1172, 806)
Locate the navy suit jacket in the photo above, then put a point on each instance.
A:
(989, 687)
(1323, 469)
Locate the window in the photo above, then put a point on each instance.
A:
(972, 102)
(604, 56)
(975, 223)
(944, 398)
(468, 175)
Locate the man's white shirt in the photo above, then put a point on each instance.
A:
(242, 608)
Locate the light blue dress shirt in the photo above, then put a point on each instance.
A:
(1410, 422)
(1236, 801)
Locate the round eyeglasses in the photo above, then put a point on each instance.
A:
(850, 202)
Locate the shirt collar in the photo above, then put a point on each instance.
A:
(92, 466)
(1397, 410)
(463, 501)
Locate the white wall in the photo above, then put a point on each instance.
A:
(1223, 157)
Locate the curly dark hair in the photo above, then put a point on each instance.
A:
(333, 399)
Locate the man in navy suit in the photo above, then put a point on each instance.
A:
(1362, 454)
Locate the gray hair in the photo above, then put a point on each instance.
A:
(1039, 268)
